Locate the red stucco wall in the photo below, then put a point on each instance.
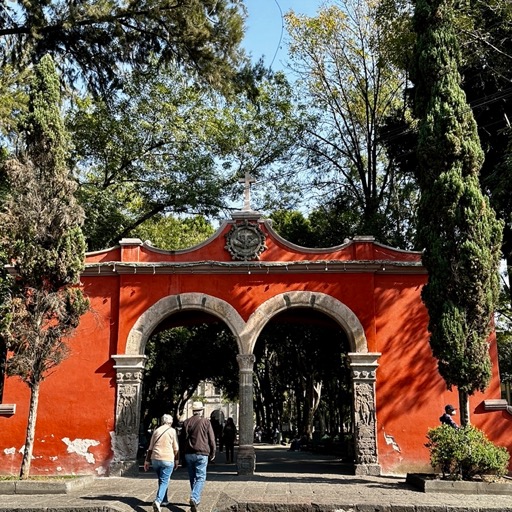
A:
(77, 401)
(410, 393)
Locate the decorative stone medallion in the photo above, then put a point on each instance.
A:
(245, 241)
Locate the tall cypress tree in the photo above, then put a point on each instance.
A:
(40, 234)
(457, 228)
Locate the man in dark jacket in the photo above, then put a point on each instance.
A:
(199, 445)
(446, 418)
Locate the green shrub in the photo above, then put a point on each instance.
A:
(465, 453)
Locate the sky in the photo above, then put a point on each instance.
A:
(265, 34)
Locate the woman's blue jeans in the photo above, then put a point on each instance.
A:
(196, 465)
(163, 470)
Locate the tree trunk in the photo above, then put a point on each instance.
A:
(464, 408)
(31, 430)
(509, 273)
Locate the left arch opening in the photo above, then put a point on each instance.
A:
(191, 355)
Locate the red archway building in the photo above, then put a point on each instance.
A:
(245, 274)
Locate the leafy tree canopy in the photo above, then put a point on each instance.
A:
(484, 36)
(171, 233)
(94, 41)
(165, 146)
(350, 90)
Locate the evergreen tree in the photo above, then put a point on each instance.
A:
(40, 234)
(457, 228)
(95, 41)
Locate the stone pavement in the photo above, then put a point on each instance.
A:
(284, 482)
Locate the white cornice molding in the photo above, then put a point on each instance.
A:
(255, 267)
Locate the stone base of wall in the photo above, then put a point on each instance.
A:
(124, 468)
(49, 486)
(431, 483)
(367, 469)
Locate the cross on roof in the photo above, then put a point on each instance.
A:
(247, 180)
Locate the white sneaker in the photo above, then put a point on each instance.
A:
(156, 506)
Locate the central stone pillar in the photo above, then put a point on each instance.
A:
(125, 439)
(246, 461)
(364, 370)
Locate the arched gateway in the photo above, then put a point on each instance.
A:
(245, 275)
(363, 364)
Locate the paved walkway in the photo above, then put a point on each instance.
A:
(284, 482)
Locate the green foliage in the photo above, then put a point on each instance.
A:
(484, 34)
(504, 340)
(498, 180)
(179, 359)
(294, 227)
(257, 132)
(457, 227)
(503, 321)
(146, 153)
(165, 146)
(300, 374)
(95, 40)
(13, 102)
(40, 223)
(349, 91)
(40, 237)
(465, 453)
(166, 232)
(330, 225)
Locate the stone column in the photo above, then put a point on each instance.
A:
(364, 369)
(246, 460)
(125, 439)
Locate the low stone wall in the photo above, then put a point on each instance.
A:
(50, 486)
(429, 483)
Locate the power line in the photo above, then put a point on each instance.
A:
(281, 35)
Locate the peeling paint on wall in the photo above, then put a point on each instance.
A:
(10, 451)
(391, 440)
(101, 471)
(81, 447)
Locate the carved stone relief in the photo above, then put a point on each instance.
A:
(364, 367)
(245, 241)
(365, 424)
(126, 413)
(129, 374)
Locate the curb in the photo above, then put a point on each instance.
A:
(436, 485)
(322, 507)
(63, 486)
